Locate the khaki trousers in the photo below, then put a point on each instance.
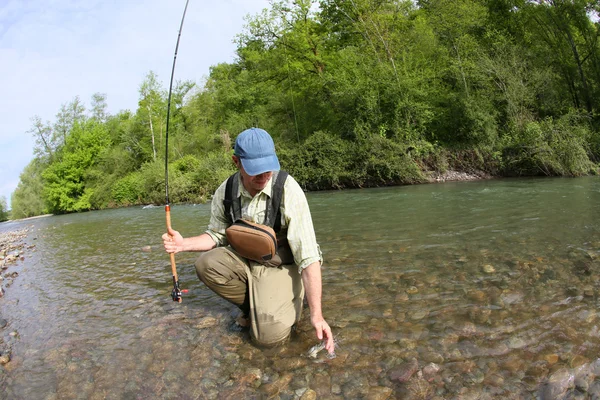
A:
(272, 297)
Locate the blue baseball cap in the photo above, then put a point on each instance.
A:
(256, 150)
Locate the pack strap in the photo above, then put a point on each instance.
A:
(273, 215)
(233, 208)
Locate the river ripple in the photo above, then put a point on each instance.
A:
(459, 290)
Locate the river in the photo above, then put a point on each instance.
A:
(486, 289)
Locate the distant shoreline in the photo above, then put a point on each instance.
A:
(28, 218)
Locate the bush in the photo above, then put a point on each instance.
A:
(328, 162)
(380, 161)
(322, 162)
(550, 148)
(127, 191)
(212, 170)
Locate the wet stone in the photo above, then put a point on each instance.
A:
(207, 322)
(494, 379)
(557, 385)
(336, 389)
(537, 369)
(551, 358)
(404, 371)
(595, 367)
(488, 269)
(419, 389)
(288, 364)
(419, 315)
(477, 296)
(594, 390)
(309, 395)
(412, 290)
(433, 358)
(379, 393)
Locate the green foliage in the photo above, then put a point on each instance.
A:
(322, 162)
(213, 169)
(355, 93)
(26, 200)
(152, 182)
(385, 162)
(325, 161)
(550, 147)
(3, 209)
(65, 184)
(127, 191)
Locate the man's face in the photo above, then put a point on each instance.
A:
(253, 184)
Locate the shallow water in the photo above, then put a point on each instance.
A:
(484, 289)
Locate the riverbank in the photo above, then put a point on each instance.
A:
(457, 176)
(12, 250)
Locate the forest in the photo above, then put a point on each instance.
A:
(356, 93)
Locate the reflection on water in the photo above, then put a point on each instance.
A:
(457, 290)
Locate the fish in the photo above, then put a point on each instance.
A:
(314, 351)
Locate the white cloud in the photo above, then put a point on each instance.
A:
(52, 51)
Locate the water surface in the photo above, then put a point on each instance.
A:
(491, 287)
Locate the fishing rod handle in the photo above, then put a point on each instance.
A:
(172, 255)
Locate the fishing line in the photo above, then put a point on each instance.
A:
(176, 293)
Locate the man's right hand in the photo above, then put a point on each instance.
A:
(173, 241)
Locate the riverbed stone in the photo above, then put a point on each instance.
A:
(404, 371)
(432, 357)
(557, 385)
(207, 322)
(494, 379)
(578, 361)
(551, 358)
(379, 393)
(309, 394)
(488, 268)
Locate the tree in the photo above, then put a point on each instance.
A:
(3, 209)
(66, 186)
(45, 145)
(99, 107)
(27, 200)
(67, 117)
(569, 40)
(152, 108)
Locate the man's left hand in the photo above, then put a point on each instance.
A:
(324, 333)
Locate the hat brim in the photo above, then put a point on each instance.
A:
(257, 166)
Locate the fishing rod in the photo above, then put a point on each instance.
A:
(176, 293)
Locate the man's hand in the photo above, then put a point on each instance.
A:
(324, 332)
(173, 241)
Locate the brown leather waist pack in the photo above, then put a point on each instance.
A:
(258, 242)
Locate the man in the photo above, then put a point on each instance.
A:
(270, 297)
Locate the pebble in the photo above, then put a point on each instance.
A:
(309, 395)
(207, 322)
(488, 269)
(412, 290)
(379, 393)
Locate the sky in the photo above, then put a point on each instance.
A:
(54, 50)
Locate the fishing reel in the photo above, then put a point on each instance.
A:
(177, 292)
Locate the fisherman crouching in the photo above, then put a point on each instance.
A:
(260, 248)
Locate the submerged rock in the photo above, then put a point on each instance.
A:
(557, 385)
(404, 371)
